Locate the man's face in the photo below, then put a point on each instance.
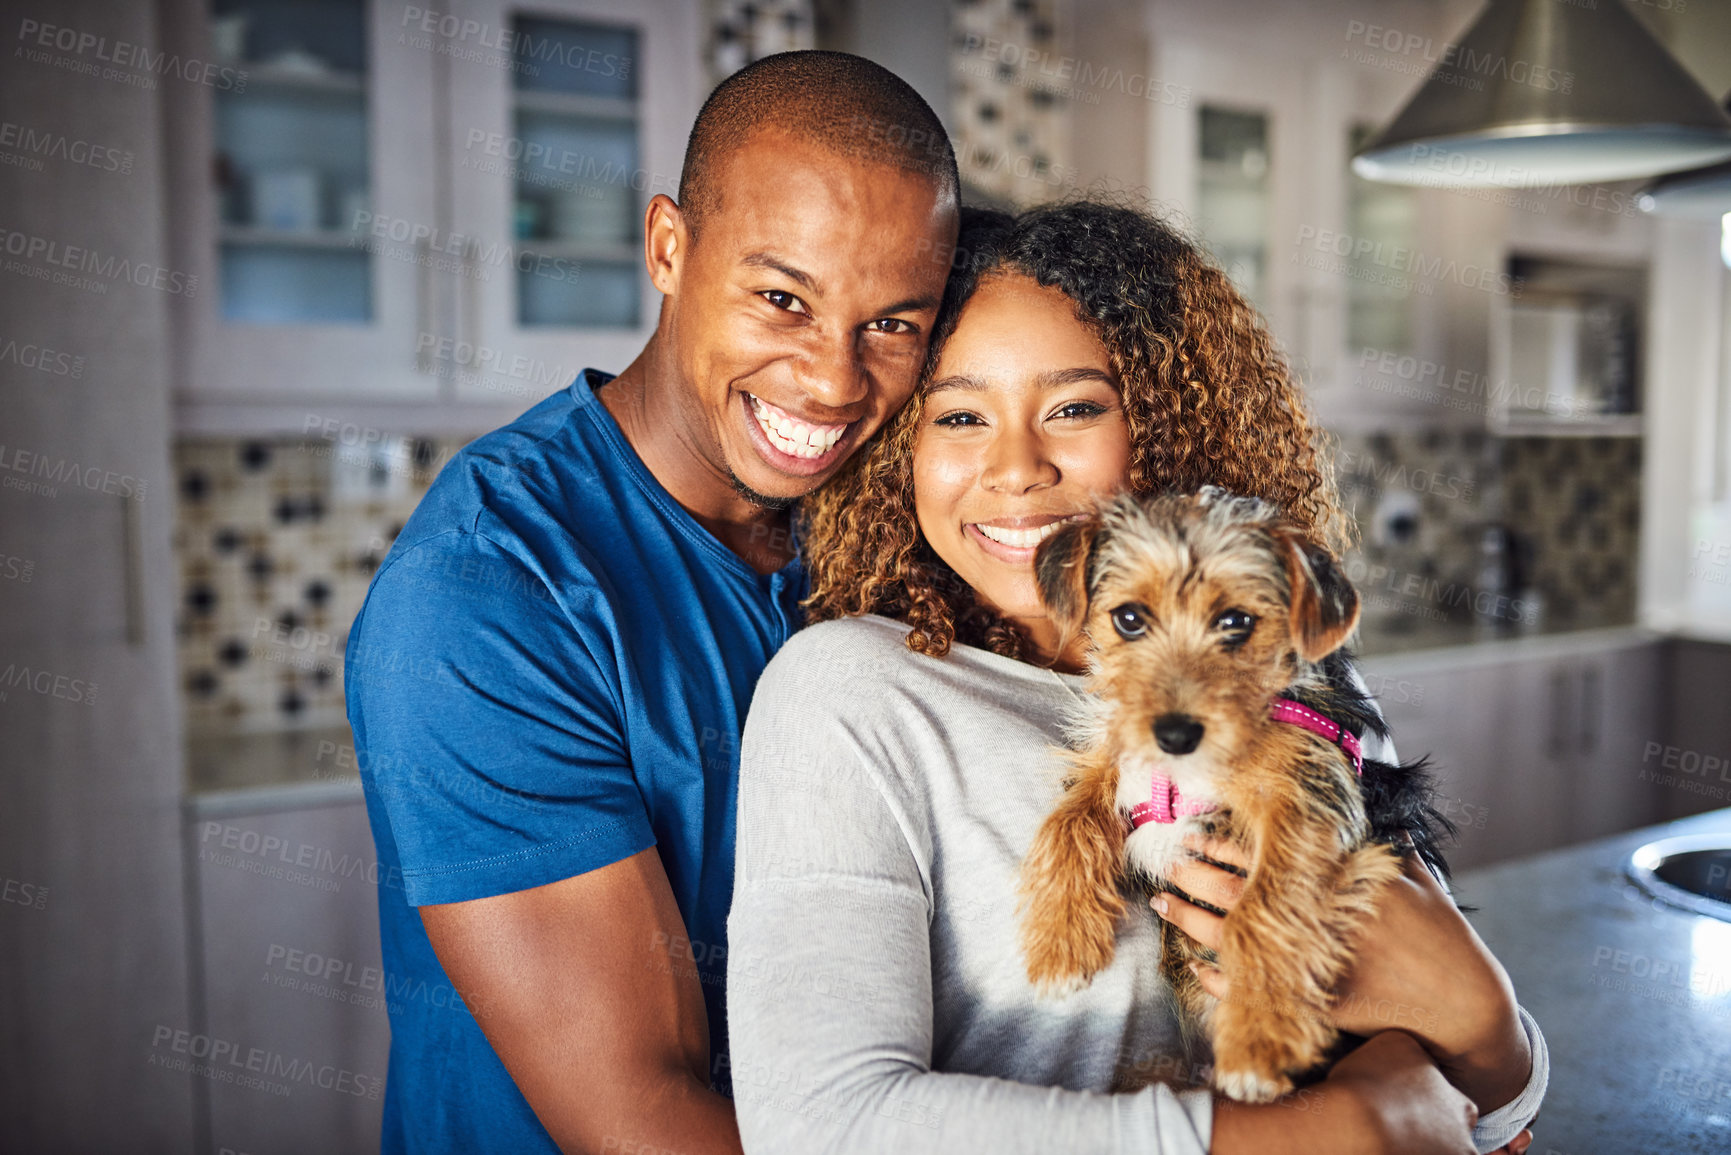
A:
(801, 311)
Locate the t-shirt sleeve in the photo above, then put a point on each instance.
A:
(829, 977)
(487, 713)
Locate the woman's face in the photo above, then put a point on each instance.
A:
(1023, 427)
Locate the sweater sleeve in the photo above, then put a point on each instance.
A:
(829, 974)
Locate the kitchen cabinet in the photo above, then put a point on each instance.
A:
(1691, 768)
(1537, 743)
(288, 985)
(1374, 291)
(389, 204)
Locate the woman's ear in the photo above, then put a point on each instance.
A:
(1061, 568)
(1324, 604)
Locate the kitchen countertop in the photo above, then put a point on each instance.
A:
(1634, 997)
(230, 774)
(1399, 637)
(277, 770)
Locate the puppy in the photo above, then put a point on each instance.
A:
(1224, 706)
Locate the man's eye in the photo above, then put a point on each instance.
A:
(1130, 621)
(891, 325)
(783, 300)
(1236, 625)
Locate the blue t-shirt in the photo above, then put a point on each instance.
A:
(549, 674)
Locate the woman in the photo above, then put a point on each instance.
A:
(898, 759)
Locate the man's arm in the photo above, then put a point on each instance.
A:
(603, 1032)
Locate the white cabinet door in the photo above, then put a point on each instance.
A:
(1538, 734)
(1457, 718)
(1534, 753)
(306, 206)
(293, 988)
(558, 138)
(1619, 714)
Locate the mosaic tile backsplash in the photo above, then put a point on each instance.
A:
(276, 541)
(278, 538)
(1516, 534)
(1008, 103)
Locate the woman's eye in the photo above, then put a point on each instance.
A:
(960, 417)
(891, 325)
(1236, 625)
(783, 300)
(1081, 409)
(1129, 622)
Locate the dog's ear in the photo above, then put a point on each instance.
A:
(1324, 604)
(1061, 568)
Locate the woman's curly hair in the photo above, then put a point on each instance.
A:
(1208, 398)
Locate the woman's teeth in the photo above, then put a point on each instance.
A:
(1020, 538)
(793, 437)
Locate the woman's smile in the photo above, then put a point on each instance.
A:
(1015, 539)
(1022, 428)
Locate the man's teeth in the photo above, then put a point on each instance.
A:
(1020, 538)
(795, 438)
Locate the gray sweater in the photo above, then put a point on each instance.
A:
(877, 1000)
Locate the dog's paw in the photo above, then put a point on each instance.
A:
(1247, 1086)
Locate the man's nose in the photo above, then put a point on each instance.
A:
(831, 374)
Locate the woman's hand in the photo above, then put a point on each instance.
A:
(1418, 967)
(1384, 1098)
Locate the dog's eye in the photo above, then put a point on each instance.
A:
(1129, 622)
(1236, 625)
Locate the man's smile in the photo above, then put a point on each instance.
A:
(791, 444)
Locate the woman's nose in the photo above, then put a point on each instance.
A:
(1017, 462)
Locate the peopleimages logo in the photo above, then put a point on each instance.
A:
(70, 260)
(1453, 64)
(93, 55)
(38, 473)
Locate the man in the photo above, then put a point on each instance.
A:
(549, 676)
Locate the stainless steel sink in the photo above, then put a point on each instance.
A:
(1690, 871)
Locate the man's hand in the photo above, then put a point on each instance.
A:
(1418, 966)
(600, 1024)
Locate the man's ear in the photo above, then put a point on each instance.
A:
(666, 240)
(1324, 604)
(1061, 570)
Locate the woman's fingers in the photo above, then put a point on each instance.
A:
(1218, 849)
(1205, 881)
(1202, 925)
(1516, 1146)
(1212, 979)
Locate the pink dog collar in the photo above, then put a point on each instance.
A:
(1286, 710)
(1166, 805)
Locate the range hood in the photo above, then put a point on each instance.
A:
(1546, 92)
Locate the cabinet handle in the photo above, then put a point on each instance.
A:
(1590, 703)
(1557, 741)
(470, 299)
(133, 548)
(423, 305)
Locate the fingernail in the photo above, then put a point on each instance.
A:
(1160, 904)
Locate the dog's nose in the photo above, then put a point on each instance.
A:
(1177, 733)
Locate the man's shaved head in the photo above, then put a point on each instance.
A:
(845, 103)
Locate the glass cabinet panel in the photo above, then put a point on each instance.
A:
(1382, 219)
(577, 211)
(1233, 195)
(292, 161)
